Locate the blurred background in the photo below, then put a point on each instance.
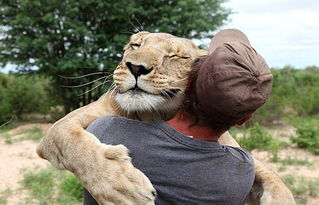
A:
(56, 56)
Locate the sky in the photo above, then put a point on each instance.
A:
(284, 32)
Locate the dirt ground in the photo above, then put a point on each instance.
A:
(21, 154)
(15, 157)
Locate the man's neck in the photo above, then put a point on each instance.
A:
(183, 124)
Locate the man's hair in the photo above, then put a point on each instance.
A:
(191, 104)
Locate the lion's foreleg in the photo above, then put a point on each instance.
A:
(59, 143)
(273, 190)
(268, 188)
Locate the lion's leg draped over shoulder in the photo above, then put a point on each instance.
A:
(150, 83)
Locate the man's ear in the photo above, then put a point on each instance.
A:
(246, 119)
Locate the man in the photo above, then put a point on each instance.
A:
(182, 157)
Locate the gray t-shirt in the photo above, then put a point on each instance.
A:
(183, 170)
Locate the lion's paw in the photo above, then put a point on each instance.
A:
(115, 180)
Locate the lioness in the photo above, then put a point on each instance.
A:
(164, 62)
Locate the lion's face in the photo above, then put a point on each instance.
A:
(152, 75)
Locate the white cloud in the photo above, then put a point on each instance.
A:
(284, 32)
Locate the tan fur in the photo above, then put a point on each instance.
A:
(106, 171)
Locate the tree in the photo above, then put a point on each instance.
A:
(20, 94)
(76, 37)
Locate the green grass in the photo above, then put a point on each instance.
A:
(4, 195)
(34, 133)
(71, 189)
(289, 179)
(10, 125)
(51, 186)
(257, 137)
(294, 161)
(40, 183)
(7, 137)
(302, 188)
(307, 133)
(282, 169)
(314, 188)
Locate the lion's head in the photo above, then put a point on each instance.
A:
(152, 75)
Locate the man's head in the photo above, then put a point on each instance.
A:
(233, 81)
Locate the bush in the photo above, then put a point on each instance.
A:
(302, 189)
(307, 134)
(71, 186)
(295, 92)
(21, 94)
(51, 186)
(40, 184)
(257, 137)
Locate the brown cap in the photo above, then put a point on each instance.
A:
(234, 80)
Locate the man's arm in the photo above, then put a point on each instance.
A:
(105, 171)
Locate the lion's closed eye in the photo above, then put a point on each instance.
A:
(177, 56)
(135, 45)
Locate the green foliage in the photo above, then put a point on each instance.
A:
(74, 37)
(282, 169)
(302, 188)
(289, 179)
(5, 106)
(8, 139)
(35, 133)
(295, 93)
(71, 186)
(307, 133)
(22, 94)
(294, 161)
(40, 183)
(56, 113)
(4, 195)
(257, 137)
(51, 186)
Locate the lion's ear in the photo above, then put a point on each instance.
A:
(202, 52)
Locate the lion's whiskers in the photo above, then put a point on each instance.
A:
(83, 76)
(112, 88)
(91, 89)
(169, 88)
(140, 25)
(107, 80)
(85, 84)
(176, 81)
(136, 28)
(166, 95)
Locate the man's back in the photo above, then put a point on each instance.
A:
(183, 170)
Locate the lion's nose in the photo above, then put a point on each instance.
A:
(137, 70)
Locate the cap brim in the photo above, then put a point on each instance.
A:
(227, 36)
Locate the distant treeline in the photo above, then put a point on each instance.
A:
(295, 93)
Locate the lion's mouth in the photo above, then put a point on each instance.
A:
(165, 93)
(137, 90)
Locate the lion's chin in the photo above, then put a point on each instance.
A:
(132, 101)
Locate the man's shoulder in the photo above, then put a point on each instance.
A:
(239, 154)
(100, 122)
(104, 124)
(112, 120)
